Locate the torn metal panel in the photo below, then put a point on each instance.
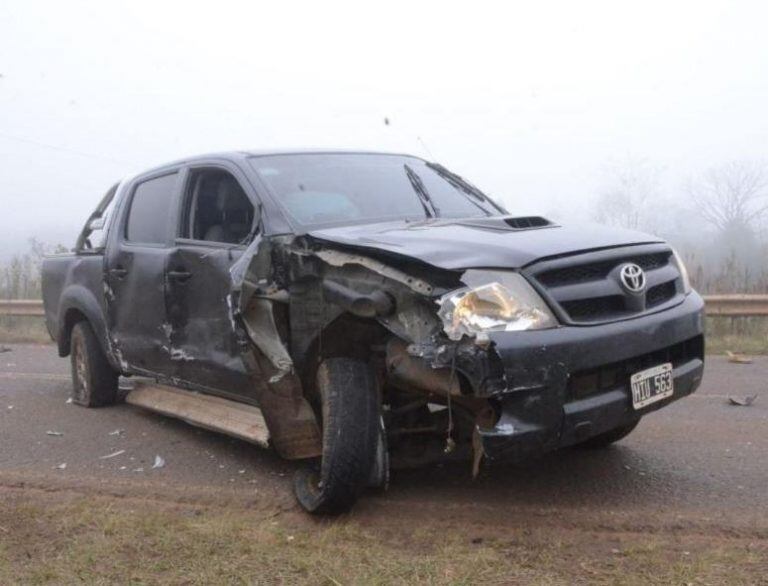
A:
(294, 429)
(260, 324)
(338, 258)
(291, 420)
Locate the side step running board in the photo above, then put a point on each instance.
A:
(214, 413)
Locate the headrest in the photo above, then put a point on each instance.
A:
(230, 196)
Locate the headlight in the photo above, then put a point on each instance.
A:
(493, 302)
(683, 271)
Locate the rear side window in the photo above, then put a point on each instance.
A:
(148, 218)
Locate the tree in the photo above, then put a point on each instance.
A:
(733, 200)
(732, 197)
(631, 196)
(20, 279)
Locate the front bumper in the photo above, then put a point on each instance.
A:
(565, 385)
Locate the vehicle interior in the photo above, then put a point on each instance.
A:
(217, 208)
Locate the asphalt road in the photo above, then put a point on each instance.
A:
(700, 456)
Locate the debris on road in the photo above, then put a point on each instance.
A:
(117, 432)
(5, 349)
(738, 358)
(62, 466)
(54, 433)
(112, 455)
(742, 402)
(69, 401)
(159, 462)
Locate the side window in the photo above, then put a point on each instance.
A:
(216, 208)
(150, 211)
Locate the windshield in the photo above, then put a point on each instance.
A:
(324, 189)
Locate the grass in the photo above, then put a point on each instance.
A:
(49, 539)
(23, 330)
(746, 335)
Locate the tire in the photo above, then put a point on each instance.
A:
(351, 426)
(605, 439)
(94, 381)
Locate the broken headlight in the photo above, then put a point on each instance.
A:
(683, 271)
(493, 301)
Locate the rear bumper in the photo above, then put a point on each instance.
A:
(565, 385)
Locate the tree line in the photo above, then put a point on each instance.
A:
(717, 222)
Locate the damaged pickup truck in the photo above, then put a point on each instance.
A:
(364, 311)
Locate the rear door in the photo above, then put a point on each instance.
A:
(217, 219)
(135, 273)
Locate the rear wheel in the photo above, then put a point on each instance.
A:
(351, 427)
(605, 439)
(94, 381)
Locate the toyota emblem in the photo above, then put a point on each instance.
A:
(633, 278)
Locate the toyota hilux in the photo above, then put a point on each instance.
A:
(365, 311)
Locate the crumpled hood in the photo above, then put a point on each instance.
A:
(467, 244)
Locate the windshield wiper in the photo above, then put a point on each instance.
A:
(465, 186)
(429, 205)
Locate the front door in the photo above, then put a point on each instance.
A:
(217, 220)
(135, 274)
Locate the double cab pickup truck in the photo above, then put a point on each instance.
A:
(364, 311)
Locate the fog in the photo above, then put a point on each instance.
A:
(543, 105)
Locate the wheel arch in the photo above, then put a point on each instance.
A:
(80, 304)
(346, 336)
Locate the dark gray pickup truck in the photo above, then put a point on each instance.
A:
(362, 311)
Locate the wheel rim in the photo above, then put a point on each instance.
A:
(81, 372)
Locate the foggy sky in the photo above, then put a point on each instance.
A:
(532, 103)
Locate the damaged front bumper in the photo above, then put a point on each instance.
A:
(565, 385)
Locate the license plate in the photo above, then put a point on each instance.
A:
(651, 385)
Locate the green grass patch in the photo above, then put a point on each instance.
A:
(746, 335)
(47, 539)
(23, 330)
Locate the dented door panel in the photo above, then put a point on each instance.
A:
(200, 338)
(134, 291)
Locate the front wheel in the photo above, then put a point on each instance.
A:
(351, 426)
(94, 381)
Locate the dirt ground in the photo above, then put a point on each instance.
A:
(682, 500)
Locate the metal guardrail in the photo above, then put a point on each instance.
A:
(737, 305)
(21, 307)
(731, 305)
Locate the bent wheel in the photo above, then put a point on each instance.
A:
(351, 427)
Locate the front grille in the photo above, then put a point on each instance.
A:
(585, 383)
(660, 293)
(599, 270)
(586, 288)
(595, 308)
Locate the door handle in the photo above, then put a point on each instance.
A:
(118, 272)
(179, 275)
